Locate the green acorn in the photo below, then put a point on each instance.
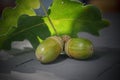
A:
(79, 48)
(49, 49)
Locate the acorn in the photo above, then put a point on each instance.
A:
(49, 49)
(79, 48)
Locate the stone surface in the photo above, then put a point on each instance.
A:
(104, 65)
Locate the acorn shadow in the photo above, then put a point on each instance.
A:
(98, 53)
(62, 57)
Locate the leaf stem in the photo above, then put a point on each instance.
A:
(45, 11)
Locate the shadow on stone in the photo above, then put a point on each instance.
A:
(61, 58)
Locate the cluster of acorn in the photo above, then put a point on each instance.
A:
(52, 47)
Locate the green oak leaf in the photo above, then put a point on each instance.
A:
(29, 27)
(29, 3)
(68, 16)
(71, 16)
(10, 16)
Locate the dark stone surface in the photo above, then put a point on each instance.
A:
(104, 65)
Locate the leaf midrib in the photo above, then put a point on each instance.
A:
(23, 30)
